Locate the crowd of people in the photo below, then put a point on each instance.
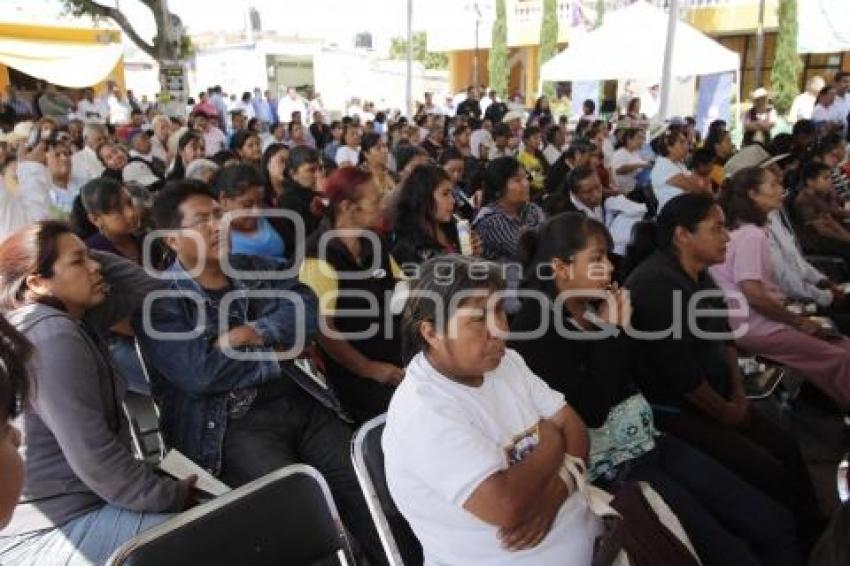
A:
(547, 315)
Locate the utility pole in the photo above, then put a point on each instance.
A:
(409, 83)
(475, 76)
(759, 46)
(667, 69)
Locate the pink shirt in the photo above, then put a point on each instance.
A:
(748, 259)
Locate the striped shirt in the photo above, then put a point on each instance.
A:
(500, 231)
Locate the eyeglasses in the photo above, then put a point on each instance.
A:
(205, 220)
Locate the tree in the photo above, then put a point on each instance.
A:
(549, 40)
(787, 66)
(497, 64)
(431, 60)
(162, 48)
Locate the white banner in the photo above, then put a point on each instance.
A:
(824, 26)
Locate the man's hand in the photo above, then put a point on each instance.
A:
(37, 154)
(388, 374)
(244, 335)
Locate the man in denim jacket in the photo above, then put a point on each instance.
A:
(215, 338)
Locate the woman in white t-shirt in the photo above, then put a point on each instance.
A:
(348, 155)
(627, 161)
(474, 441)
(670, 177)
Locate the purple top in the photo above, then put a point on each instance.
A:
(748, 259)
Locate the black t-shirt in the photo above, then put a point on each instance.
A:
(593, 375)
(671, 366)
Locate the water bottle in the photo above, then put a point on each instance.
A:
(464, 236)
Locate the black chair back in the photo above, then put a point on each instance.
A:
(400, 544)
(286, 517)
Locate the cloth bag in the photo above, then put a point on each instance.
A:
(646, 533)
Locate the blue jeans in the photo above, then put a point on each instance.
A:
(87, 540)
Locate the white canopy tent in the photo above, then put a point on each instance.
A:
(73, 65)
(630, 45)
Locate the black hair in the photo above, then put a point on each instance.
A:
(686, 211)
(827, 144)
(560, 237)
(166, 206)
(234, 180)
(15, 351)
(415, 206)
(179, 169)
(223, 156)
(431, 300)
(101, 195)
(405, 153)
(551, 133)
(625, 135)
(368, 141)
(559, 200)
(501, 130)
(240, 137)
(662, 144)
(496, 176)
(79, 219)
(736, 201)
(812, 170)
(588, 105)
(300, 155)
(702, 156)
(451, 154)
(530, 131)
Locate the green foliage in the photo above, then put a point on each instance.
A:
(785, 77)
(497, 64)
(155, 49)
(549, 40)
(431, 60)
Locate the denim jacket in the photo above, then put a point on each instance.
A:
(193, 378)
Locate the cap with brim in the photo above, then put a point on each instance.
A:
(20, 132)
(137, 172)
(750, 156)
(760, 92)
(138, 133)
(235, 111)
(775, 159)
(513, 115)
(658, 130)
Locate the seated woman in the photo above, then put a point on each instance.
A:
(767, 328)
(424, 222)
(729, 521)
(689, 370)
(363, 371)
(348, 155)
(719, 142)
(110, 210)
(818, 213)
(247, 144)
(532, 159)
(301, 193)
(114, 158)
(507, 210)
(670, 176)
(628, 160)
(474, 441)
(15, 352)
(240, 192)
(273, 168)
(190, 146)
(84, 493)
(375, 158)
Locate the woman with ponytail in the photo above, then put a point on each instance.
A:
(585, 354)
(688, 364)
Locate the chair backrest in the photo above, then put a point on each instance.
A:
(143, 414)
(400, 544)
(285, 517)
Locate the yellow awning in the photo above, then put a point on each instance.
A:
(68, 64)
